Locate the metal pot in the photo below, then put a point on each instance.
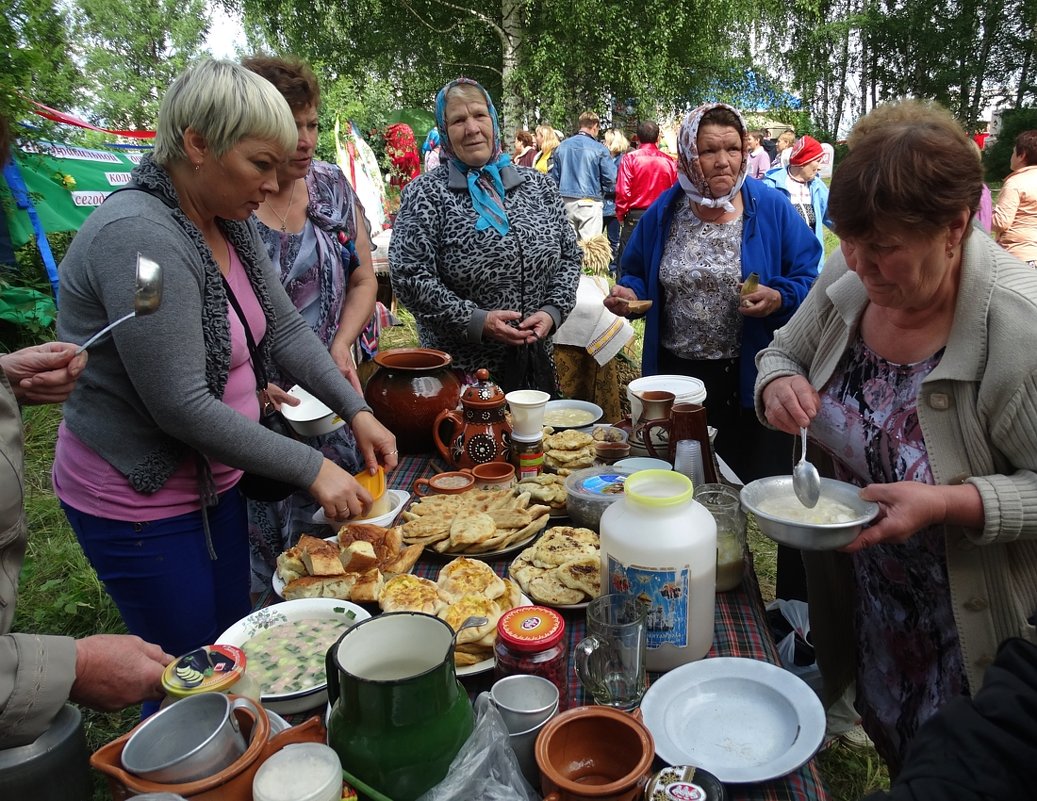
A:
(29, 771)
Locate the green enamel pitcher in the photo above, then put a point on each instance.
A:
(398, 713)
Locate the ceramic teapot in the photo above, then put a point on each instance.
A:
(479, 432)
(398, 713)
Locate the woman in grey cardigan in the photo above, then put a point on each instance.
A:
(914, 362)
(164, 418)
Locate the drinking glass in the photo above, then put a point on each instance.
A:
(610, 661)
(724, 503)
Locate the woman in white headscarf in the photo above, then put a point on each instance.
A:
(691, 253)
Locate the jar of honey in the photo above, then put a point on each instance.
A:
(531, 641)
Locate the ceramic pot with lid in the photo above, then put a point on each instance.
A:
(408, 390)
(478, 433)
(399, 715)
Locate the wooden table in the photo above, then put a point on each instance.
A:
(740, 629)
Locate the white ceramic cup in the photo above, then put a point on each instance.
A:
(527, 411)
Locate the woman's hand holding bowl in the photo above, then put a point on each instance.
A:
(278, 396)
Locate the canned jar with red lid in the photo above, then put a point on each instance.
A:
(531, 640)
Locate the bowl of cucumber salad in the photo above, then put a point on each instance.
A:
(285, 645)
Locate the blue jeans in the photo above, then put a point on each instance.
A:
(161, 577)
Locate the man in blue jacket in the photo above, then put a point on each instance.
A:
(584, 171)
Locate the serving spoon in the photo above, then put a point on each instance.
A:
(147, 297)
(805, 481)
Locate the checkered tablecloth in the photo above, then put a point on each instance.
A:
(740, 629)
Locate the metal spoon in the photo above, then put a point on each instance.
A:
(147, 296)
(805, 480)
(469, 622)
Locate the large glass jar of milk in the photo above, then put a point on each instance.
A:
(658, 544)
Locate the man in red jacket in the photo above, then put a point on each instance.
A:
(643, 176)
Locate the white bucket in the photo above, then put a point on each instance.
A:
(686, 389)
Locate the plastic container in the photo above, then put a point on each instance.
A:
(300, 772)
(659, 544)
(211, 668)
(589, 492)
(531, 640)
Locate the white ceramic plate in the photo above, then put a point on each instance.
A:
(399, 500)
(300, 609)
(486, 664)
(742, 720)
(585, 406)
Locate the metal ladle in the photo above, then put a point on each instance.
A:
(805, 481)
(147, 297)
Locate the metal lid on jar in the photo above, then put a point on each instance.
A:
(211, 668)
(684, 783)
(530, 628)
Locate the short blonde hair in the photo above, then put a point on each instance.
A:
(616, 142)
(787, 138)
(549, 139)
(225, 103)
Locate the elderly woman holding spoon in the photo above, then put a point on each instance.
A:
(913, 361)
(164, 419)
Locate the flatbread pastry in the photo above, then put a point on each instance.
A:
(406, 593)
(464, 576)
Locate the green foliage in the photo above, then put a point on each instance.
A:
(996, 156)
(131, 51)
(35, 61)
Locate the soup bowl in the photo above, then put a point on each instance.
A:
(838, 518)
(267, 632)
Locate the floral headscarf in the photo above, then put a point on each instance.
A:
(689, 171)
(484, 183)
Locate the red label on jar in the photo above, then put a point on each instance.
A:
(683, 791)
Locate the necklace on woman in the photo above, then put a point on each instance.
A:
(284, 217)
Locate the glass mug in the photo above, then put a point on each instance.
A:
(724, 503)
(610, 661)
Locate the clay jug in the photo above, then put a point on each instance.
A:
(478, 433)
(398, 713)
(408, 390)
